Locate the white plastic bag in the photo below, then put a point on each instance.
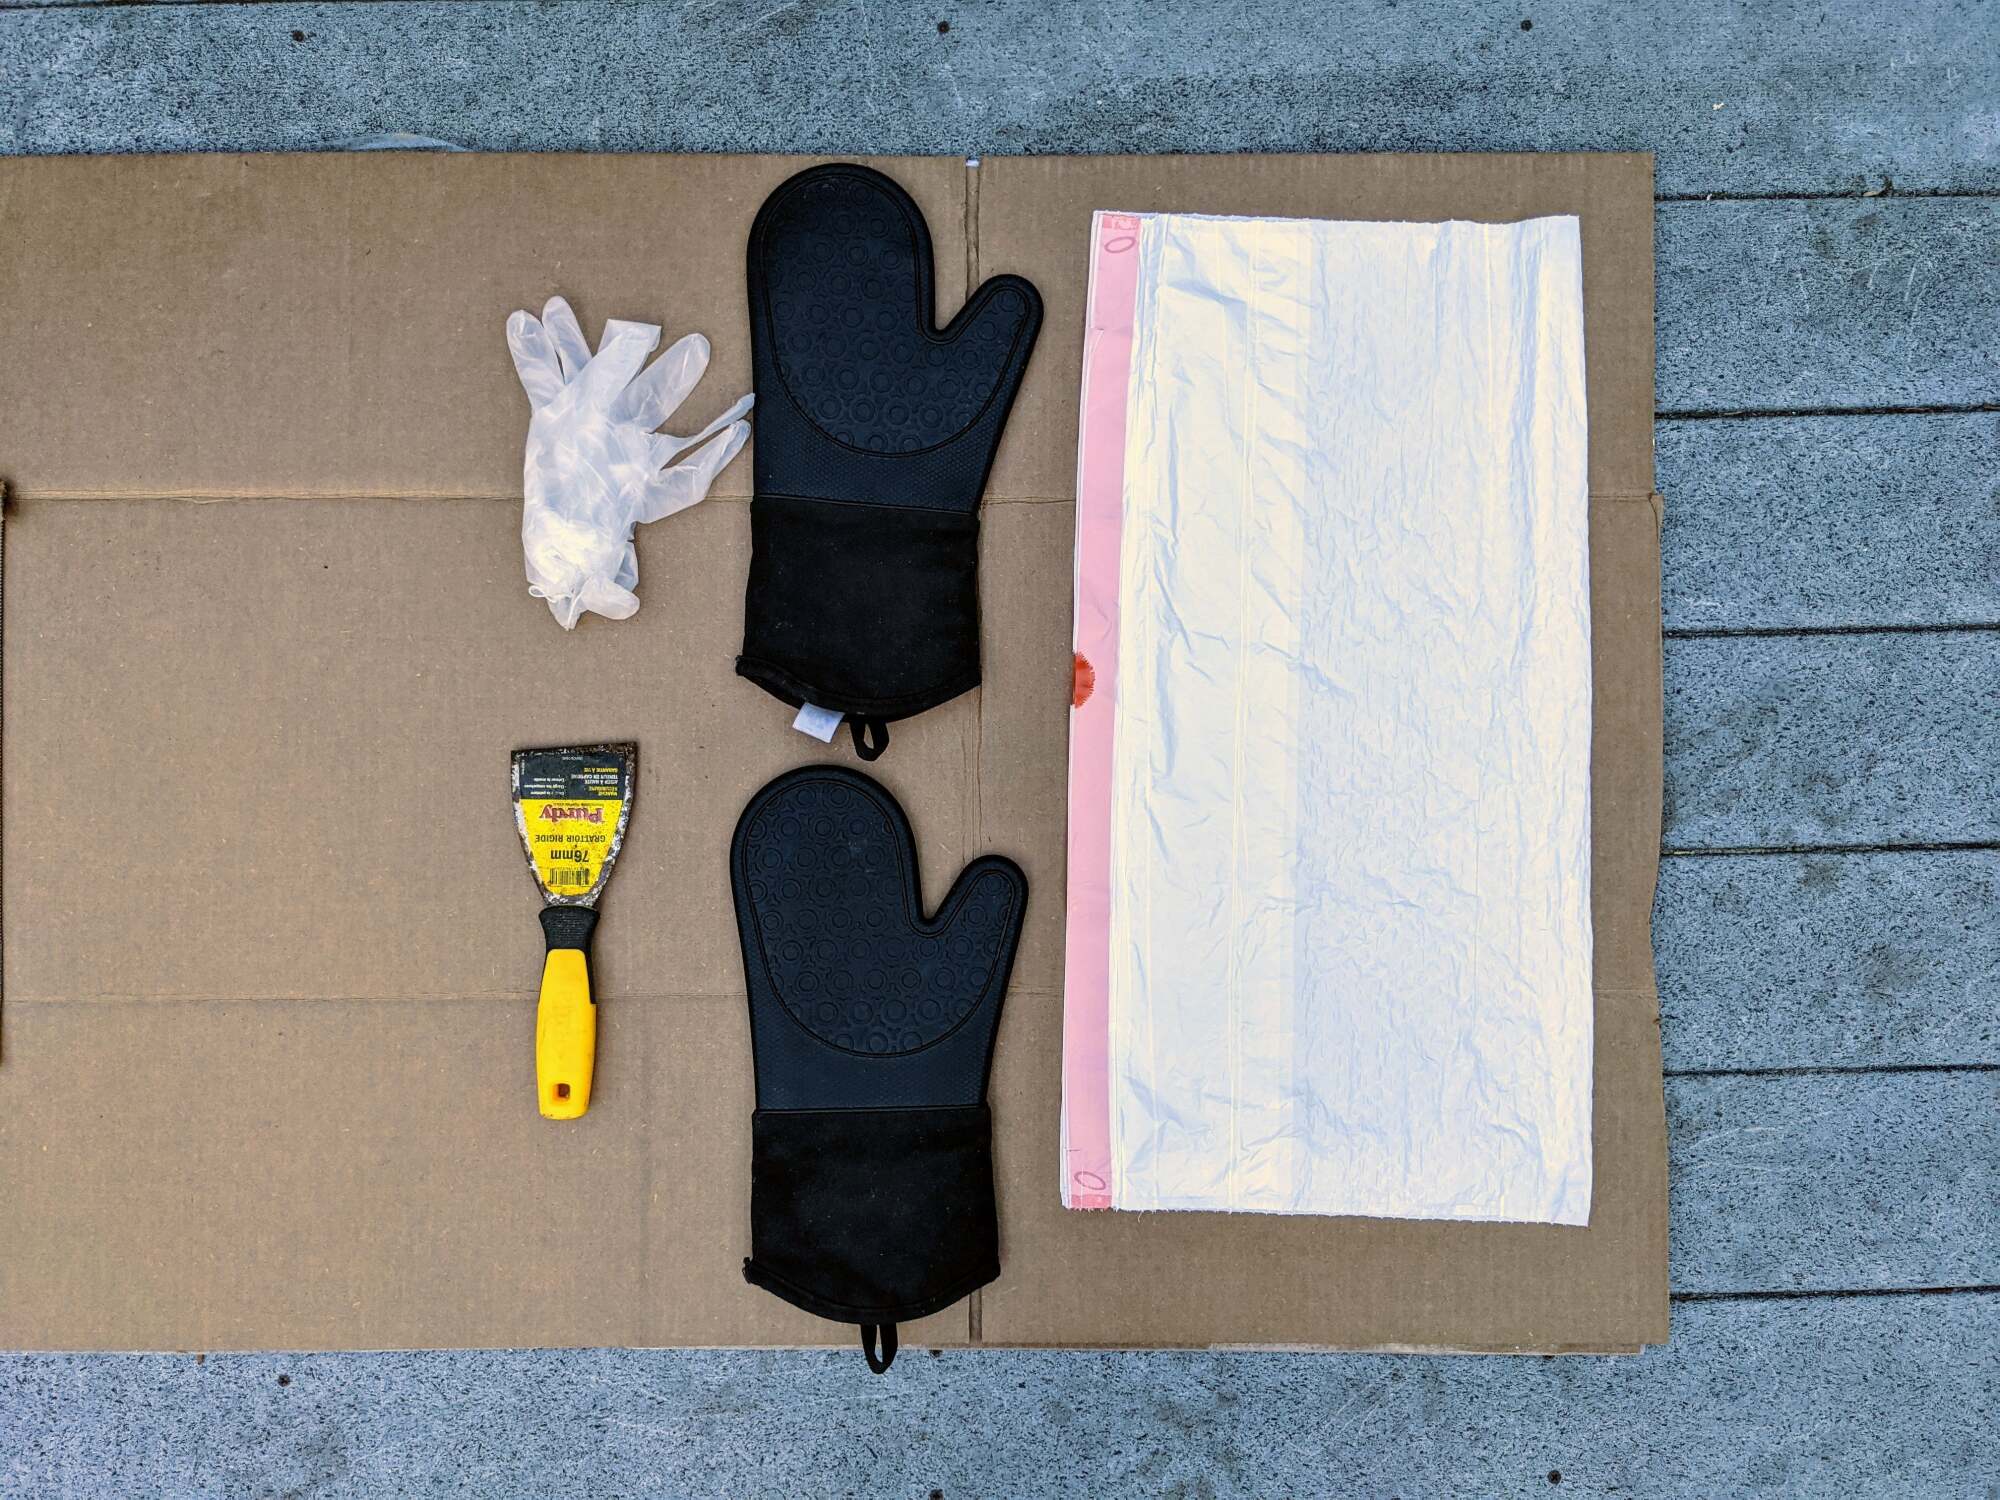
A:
(1329, 939)
(595, 465)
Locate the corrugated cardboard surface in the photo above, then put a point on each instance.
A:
(270, 954)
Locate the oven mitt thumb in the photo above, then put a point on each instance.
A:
(871, 1175)
(876, 430)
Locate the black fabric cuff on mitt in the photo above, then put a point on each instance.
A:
(872, 1215)
(866, 610)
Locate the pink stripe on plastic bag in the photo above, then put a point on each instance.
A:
(1100, 483)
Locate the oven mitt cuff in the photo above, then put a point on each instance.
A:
(872, 1216)
(872, 576)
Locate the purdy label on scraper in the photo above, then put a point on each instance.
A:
(571, 807)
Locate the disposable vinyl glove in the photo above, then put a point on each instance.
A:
(596, 466)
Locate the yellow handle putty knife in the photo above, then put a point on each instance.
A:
(571, 804)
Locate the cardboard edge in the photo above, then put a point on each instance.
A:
(5, 498)
(1656, 1314)
(1521, 1351)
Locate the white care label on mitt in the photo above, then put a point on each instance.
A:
(820, 723)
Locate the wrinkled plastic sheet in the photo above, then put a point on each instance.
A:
(1329, 942)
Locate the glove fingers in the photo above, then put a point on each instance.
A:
(687, 483)
(613, 327)
(534, 359)
(656, 394)
(604, 379)
(604, 597)
(565, 607)
(567, 336)
(666, 445)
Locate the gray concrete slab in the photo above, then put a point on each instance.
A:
(1795, 97)
(1829, 960)
(1777, 523)
(1829, 1182)
(1877, 1396)
(1792, 306)
(1832, 740)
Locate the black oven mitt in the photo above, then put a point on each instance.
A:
(871, 1026)
(875, 433)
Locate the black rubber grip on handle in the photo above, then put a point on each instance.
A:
(569, 926)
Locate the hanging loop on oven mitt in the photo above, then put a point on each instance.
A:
(871, 1025)
(876, 431)
(595, 466)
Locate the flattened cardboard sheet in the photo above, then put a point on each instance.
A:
(270, 953)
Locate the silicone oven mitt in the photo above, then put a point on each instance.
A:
(875, 434)
(595, 465)
(871, 1025)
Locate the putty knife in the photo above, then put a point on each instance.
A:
(571, 804)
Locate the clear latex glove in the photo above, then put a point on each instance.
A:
(595, 465)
